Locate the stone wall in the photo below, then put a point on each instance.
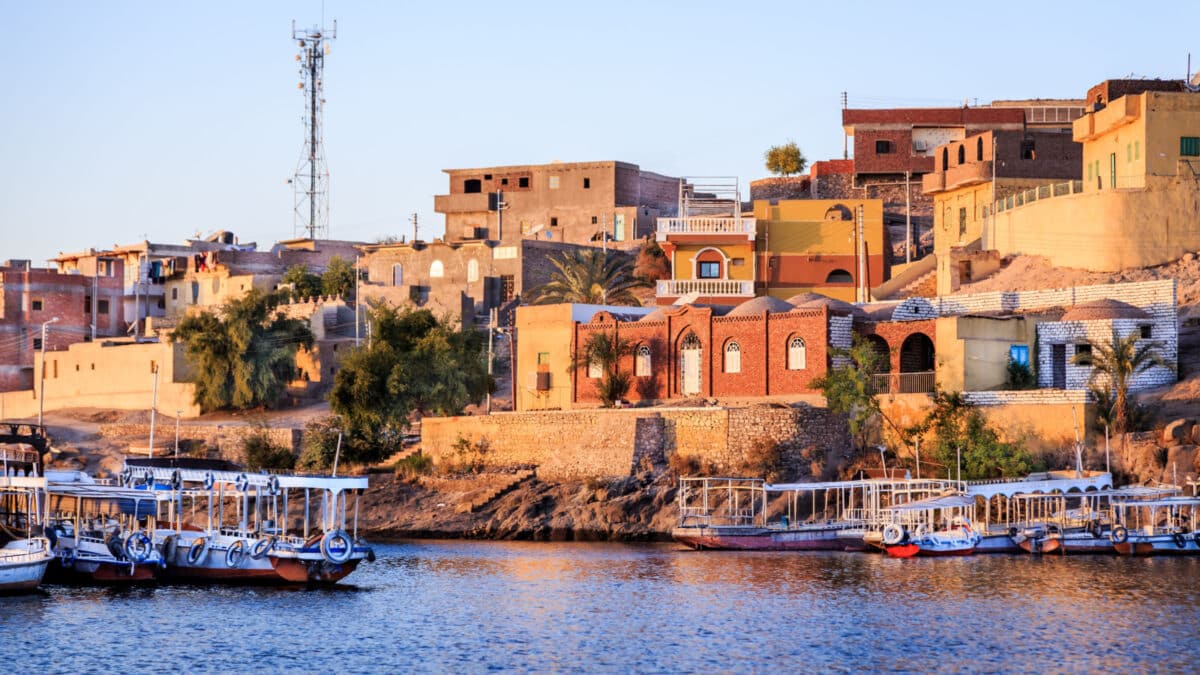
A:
(221, 441)
(788, 187)
(580, 444)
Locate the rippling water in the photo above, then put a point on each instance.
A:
(469, 606)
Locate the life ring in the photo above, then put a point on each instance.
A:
(1180, 540)
(273, 485)
(1119, 534)
(332, 554)
(892, 534)
(920, 531)
(242, 483)
(235, 554)
(209, 479)
(138, 547)
(262, 547)
(176, 480)
(169, 546)
(198, 550)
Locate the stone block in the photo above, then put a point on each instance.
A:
(1179, 431)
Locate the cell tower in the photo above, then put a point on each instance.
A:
(310, 185)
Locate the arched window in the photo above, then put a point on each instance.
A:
(397, 274)
(979, 148)
(945, 159)
(839, 277)
(733, 357)
(641, 364)
(472, 271)
(594, 369)
(962, 153)
(436, 271)
(797, 354)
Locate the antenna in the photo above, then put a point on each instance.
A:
(414, 222)
(310, 185)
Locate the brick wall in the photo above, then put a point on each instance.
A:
(574, 445)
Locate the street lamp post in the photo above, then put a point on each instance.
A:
(177, 414)
(42, 388)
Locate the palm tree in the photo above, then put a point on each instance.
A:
(1115, 364)
(605, 351)
(592, 277)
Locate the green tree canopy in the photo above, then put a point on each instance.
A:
(785, 159)
(848, 386)
(243, 355)
(590, 276)
(304, 284)
(415, 363)
(338, 279)
(1115, 364)
(606, 350)
(957, 426)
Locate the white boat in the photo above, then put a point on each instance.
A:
(1004, 512)
(1165, 526)
(935, 526)
(223, 525)
(24, 555)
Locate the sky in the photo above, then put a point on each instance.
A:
(121, 121)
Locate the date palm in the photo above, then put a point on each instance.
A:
(1116, 363)
(592, 277)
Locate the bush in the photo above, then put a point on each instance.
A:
(765, 460)
(320, 444)
(1019, 376)
(467, 457)
(684, 465)
(261, 453)
(414, 465)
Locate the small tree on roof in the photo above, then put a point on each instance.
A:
(786, 159)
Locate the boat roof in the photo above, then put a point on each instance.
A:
(252, 479)
(1130, 491)
(939, 502)
(26, 482)
(906, 483)
(94, 491)
(1165, 501)
(1044, 483)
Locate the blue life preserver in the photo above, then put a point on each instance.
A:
(340, 554)
(209, 479)
(273, 485)
(235, 553)
(198, 550)
(242, 483)
(262, 547)
(138, 547)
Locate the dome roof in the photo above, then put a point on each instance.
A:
(835, 306)
(797, 300)
(1100, 310)
(763, 303)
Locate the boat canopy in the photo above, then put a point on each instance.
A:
(258, 480)
(1051, 482)
(939, 502)
(909, 484)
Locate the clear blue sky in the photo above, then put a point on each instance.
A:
(124, 119)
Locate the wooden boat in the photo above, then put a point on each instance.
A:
(1163, 526)
(1006, 515)
(229, 526)
(24, 555)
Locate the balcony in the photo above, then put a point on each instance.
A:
(674, 288)
(903, 383)
(738, 227)
(971, 173)
(475, 202)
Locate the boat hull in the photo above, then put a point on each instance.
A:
(19, 577)
(758, 539)
(100, 572)
(1163, 544)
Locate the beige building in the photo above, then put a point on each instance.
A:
(1136, 203)
(575, 203)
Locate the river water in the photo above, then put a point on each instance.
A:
(473, 606)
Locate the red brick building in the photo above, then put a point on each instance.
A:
(31, 296)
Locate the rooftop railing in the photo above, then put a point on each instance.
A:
(704, 287)
(706, 225)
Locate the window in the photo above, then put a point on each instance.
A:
(883, 147)
(1128, 152)
(553, 182)
(641, 365)
(397, 274)
(543, 358)
(1146, 331)
(504, 181)
(1083, 355)
(1189, 146)
(945, 158)
(36, 306)
(737, 262)
(174, 293)
(797, 354)
(839, 277)
(587, 183)
(87, 304)
(37, 343)
(487, 176)
(962, 154)
(595, 220)
(436, 270)
(472, 271)
(523, 181)
(710, 270)
(1137, 150)
(472, 186)
(733, 357)
(1019, 354)
(554, 222)
(619, 227)
(979, 149)
(1027, 150)
(102, 307)
(962, 222)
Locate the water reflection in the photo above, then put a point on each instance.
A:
(477, 605)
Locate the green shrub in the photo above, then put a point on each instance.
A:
(1019, 376)
(261, 453)
(414, 465)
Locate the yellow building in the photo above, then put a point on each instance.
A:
(1136, 203)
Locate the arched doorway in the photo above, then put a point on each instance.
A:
(839, 277)
(916, 354)
(690, 351)
(883, 350)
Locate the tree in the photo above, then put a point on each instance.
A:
(605, 351)
(959, 427)
(1115, 364)
(304, 283)
(244, 354)
(652, 263)
(785, 159)
(338, 279)
(848, 386)
(590, 276)
(415, 364)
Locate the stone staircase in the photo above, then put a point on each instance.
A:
(389, 463)
(491, 495)
(924, 286)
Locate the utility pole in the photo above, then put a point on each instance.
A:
(491, 329)
(177, 414)
(845, 139)
(862, 257)
(42, 388)
(95, 291)
(356, 275)
(907, 218)
(414, 222)
(153, 409)
(311, 180)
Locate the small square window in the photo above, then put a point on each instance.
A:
(1019, 354)
(587, 183)
(1028, 150)
(37, 305)
(710, 270)
(594, 221)
(1083, 355)
(37, 343)
(504, 181)
(523, 181)
(1189, 146)
(487, 176)
(553, 182)
(883, 147)
(102, 307)
(1145, 331)
(554, 222)
(543, 358)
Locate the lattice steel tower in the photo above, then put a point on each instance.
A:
(310, 185)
